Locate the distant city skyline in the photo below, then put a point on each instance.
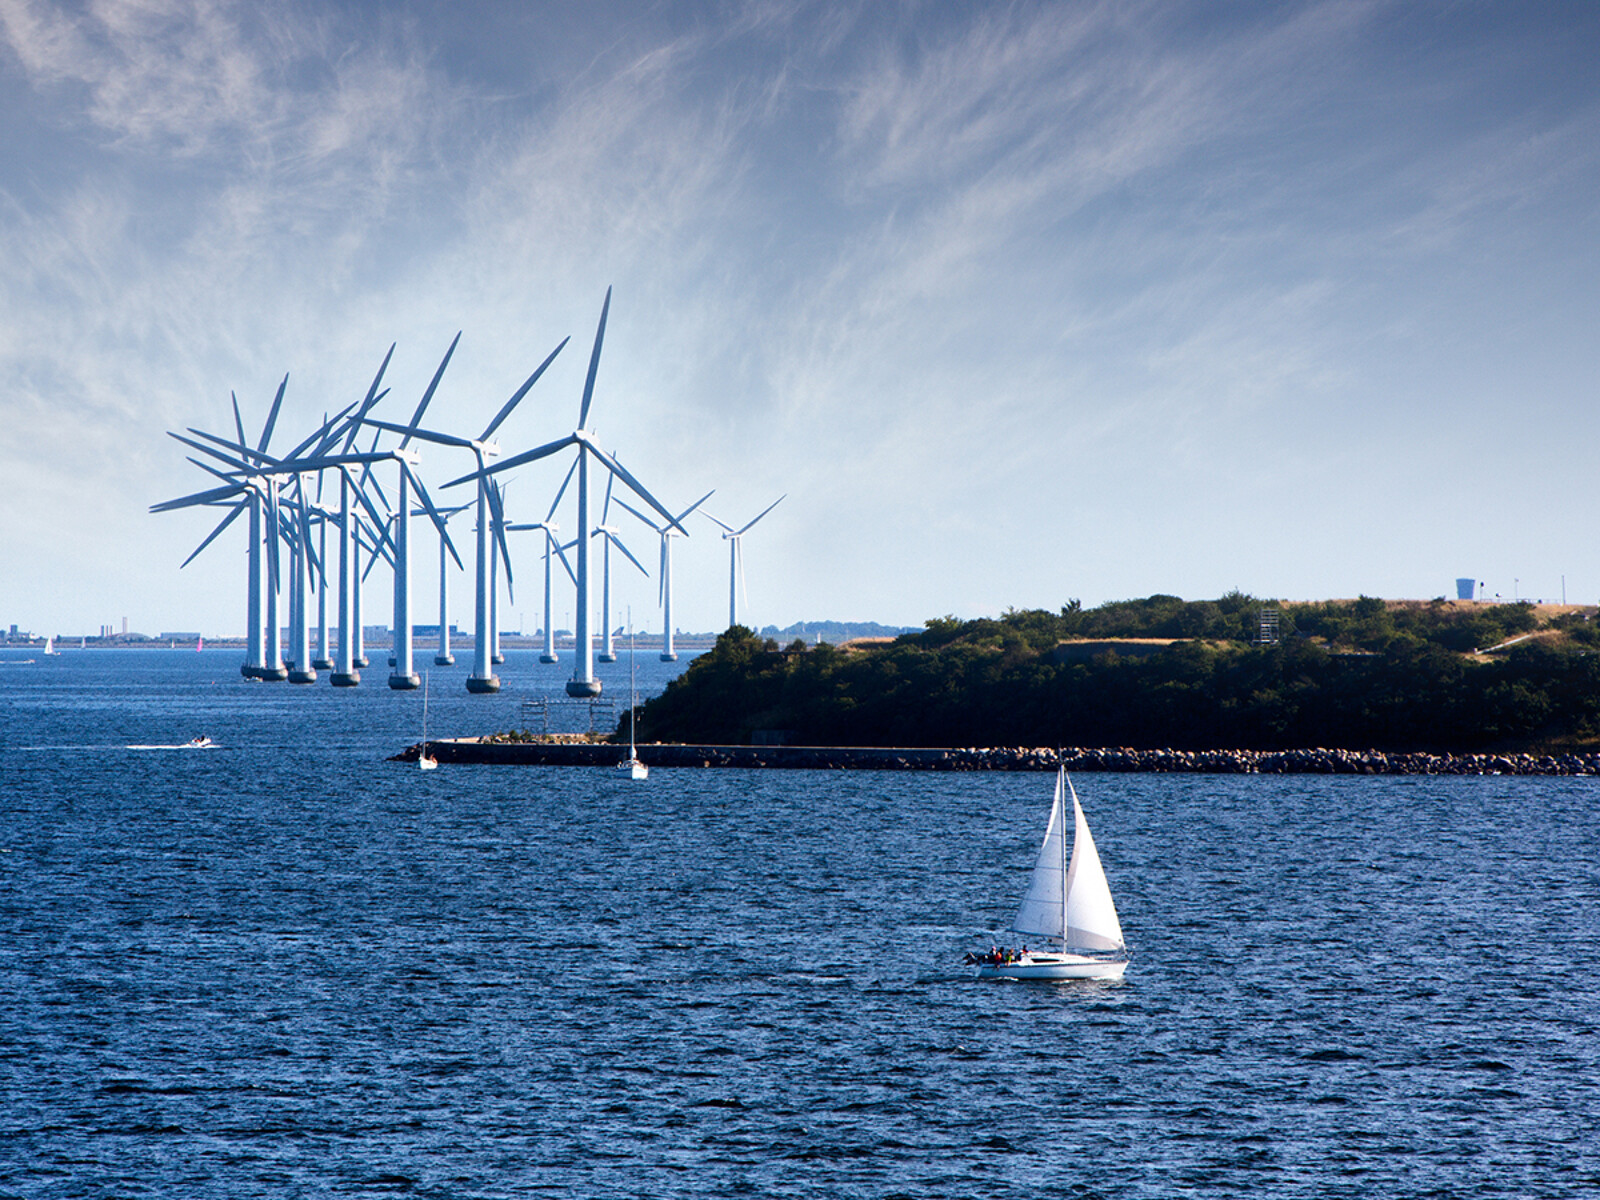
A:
(1017, 303)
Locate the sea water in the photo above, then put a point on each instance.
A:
(285, 966)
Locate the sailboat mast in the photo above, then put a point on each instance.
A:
(1061, 815)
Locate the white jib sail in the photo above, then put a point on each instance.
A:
(1091, 914)
(1087, 918)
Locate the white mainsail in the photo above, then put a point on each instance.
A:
(1072, 906)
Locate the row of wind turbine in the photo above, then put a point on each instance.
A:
(282, 497)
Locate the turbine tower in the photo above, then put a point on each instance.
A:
(552, 543)
(248, 487)
(583, 682)
(482, 679)
(734, 539)
(608, 653)
(444, 658)
(664, 589)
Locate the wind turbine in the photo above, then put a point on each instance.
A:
(256, 491)
(444, 658)
(256, 665)
(734, 538)
(607, 653)
(482, 679)
(664, 597)
(552, 542)
(583, 683)
(302, 563)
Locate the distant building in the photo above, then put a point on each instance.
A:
(1466, 589)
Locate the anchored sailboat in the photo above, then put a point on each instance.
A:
(1069, 904)
(631, 766)
(425, 761)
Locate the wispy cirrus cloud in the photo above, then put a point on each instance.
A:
(892, 259)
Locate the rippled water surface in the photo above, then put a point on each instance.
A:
(287, 967)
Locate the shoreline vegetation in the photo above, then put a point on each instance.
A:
(1169, 678)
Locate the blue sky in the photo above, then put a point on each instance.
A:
(1017, 303)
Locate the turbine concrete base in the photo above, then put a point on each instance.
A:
(302, 676)
(482, 687)
(340, 679)
(606, 658)
(322, 664)
(582, 689)
(444, 660)
(669, 658)
(549, 658)
(273, 674)
(497, 658)
(361, 660)
(405, 683)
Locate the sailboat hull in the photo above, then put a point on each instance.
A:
(1056, 966)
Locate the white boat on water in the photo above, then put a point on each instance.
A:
(425, 761)
(50, 645)
(631, 766)
(1068, 903)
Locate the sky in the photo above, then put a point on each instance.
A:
(1014, 303)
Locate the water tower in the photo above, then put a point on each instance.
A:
(1466, 589)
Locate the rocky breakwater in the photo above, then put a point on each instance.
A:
(1318, 761)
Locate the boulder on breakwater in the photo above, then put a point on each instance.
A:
(1318, 761)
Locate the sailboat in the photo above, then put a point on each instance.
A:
(631, 766)
(1068, 903)
(425, 761)
(50, 645)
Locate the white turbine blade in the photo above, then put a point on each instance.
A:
(237, 464)
(368, 478)
(638, 488)
(594, 363)
(380, 523)
(764, 511)
(685, 513)
(225, 476)
(605, 509)
(497, 523)
(214, 534)
(661, 584)
(408, 432)
(561, 553)
(323, 462)
(617, 542)
(517, 460)
(562, 490)
(210, 496)
(433, 514)
(322, 438)
(640, 515)
(272, 417)
(427, 396)
(372, 397)
(723, 524)
(521, 392)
